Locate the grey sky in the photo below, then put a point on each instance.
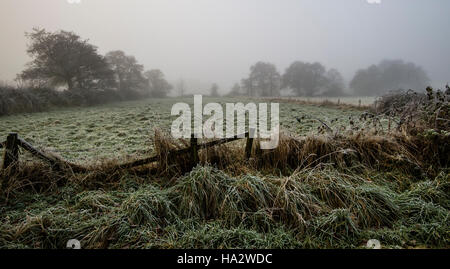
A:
(217, 40)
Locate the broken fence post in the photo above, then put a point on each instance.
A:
(249, 144)
(11, 154)
(194, 150)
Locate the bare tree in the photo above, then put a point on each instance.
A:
(157, 84)
(215, 90)
(389, 75)
(181, 87)
(235, 90)
(64, 59)
(128, 72)
(308, 79)
(334, 83)
(264, 80)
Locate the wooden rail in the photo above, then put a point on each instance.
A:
(53, 161)
(11, 154)
(187, 150)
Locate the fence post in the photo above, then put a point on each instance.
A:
(194, 150)
(11, 154)
(249, 144)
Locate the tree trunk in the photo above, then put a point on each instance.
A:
(70, 84)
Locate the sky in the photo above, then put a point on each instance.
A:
(206, 41)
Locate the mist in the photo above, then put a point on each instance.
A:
(225, 124)
(205, 42)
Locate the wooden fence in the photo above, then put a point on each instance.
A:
(13, 142)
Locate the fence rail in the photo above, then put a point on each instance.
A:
(13, 142)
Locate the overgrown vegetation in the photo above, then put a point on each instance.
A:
(321, 207)
(66, 70)
(336, 188)
(418, 111)
(328, 204)
(26, 100)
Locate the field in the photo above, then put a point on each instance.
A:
(350, 100)
(122, 129)
(317, 190)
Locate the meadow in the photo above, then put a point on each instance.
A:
(118, 130)
(349, 100)
(316, 190)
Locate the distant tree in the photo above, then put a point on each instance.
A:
(215, 90)
(264, 80)
(181, 87)
(389, 75)
(157, 84)
(367, 81)
(235, 90)
(306, 79)
(247, 86)
(334, 83)
(64, 59)
(128, 72)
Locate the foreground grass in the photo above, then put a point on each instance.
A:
(321, 207)
(322, 191)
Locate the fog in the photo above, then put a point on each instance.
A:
(206, 41)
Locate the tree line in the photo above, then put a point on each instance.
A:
(67, 70)
(314, 79)
(64, 59)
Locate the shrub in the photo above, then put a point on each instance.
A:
(430, 110)
(26, 100)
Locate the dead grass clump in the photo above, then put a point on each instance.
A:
(33, 176)
(374, 206)
(426, 201)
(53, 227)
(419, 211)
(97, 201)
(171, 164)
(208, 193)
(98, 178)
(294, 202)
(338, 228)
(370, 204)
(110, 174)
(226, 157)
(284, 156)
(149, 205)
(214, 235)
(335, 189)
(434, 191)
(200, 194)
(247, 199)
(430, 147)
(342, 151)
